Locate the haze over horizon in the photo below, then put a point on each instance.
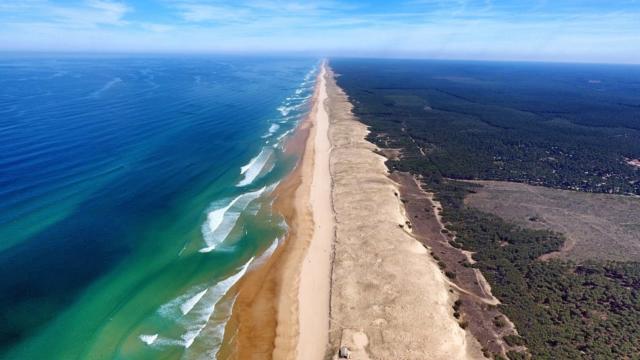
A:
(565, 30)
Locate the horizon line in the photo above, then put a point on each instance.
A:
(307, 54)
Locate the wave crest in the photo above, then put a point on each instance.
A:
(220, 222)
(254, 168)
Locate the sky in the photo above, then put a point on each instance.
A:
(537, 30)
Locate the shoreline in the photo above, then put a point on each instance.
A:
(279, 296)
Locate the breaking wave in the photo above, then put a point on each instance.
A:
(254, 168)
(189, 304)
(202, 312)
(220, 222)
(148, 339)
(201, 309)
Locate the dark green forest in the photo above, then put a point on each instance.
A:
(560, 126)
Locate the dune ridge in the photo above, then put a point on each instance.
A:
(389, 299)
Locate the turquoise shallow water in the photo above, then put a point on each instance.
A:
(134, 193)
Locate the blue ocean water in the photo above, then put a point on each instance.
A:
(134, 193)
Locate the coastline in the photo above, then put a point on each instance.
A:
(282, 294)
(384, 295)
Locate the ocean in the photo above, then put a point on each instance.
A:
(134, 192)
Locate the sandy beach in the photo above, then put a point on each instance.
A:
(290, 291)
(314, 291)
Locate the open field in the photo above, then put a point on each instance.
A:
(597, 226)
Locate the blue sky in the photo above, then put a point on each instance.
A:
(549, 30)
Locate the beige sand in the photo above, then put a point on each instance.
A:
(389, 300)
(316, 268)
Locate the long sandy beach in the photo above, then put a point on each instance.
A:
(314, 291)
(282, 307)
(349, 272)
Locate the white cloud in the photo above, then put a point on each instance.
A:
(92, 13)
(196, 12)
(450, 28)
(157, 28)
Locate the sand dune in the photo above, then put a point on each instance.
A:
(389, 300)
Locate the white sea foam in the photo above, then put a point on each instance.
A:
(311, 72)
(254, 168)
(293, 98)
(284, 134)
(215, 217)
(198, 316)
(189, 304)
(215, 330)
(148, 339)
(297, 100)
(243, 169)
(218, 227)
(161, 341)
(173, 309)
(284, 110)
(106, 87)
(286, 119)
(194, 311)
(273, 128)
(206, 308)
(265, 255)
